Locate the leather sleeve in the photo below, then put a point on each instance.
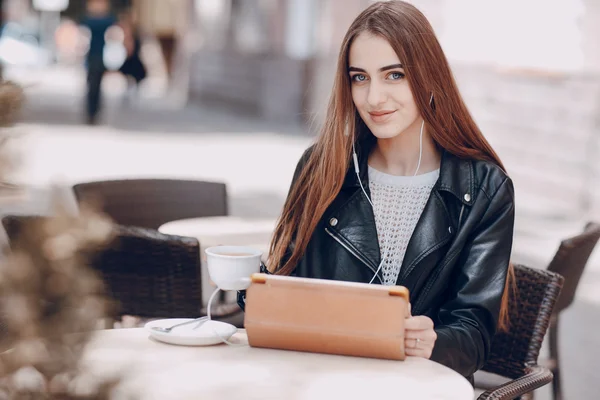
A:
(468, 320)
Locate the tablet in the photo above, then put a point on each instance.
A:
(326, 316)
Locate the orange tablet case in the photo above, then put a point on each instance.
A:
(325, 316)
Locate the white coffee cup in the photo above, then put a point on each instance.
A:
(230, 267)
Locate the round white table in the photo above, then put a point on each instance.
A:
(228, 230)
(160, 371)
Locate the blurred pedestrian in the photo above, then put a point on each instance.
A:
(97, 21)
(167, 21)
(133, 68)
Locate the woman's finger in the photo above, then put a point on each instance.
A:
(412, 347)
(424, 353)
(417, 343)
(420, 322)
(415, 334)
(427, 335)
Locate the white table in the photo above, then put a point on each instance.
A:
(161, 371)
(229, 230)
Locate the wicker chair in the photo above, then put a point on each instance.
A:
(152, 275)
(569, 261)
(149, 203)
(148, 274)
(514, 354)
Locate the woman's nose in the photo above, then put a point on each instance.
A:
(376, 95)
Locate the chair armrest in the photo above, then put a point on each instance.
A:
(534, 378)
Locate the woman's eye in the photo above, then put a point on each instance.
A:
(396, 76)
(359, 78)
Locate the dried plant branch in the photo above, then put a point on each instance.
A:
(50, 298)
(12, 99)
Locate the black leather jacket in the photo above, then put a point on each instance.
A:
(456, 262)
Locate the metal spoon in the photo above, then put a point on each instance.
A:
(170, 328)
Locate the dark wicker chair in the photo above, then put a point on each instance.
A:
(569, 261)
(514, 354)
(149, 203)
(148, 274)
(152, 275)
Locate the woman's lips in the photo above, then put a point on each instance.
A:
(381, 116)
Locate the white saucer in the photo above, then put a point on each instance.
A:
(209, 333)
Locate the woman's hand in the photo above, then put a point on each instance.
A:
(419, 336)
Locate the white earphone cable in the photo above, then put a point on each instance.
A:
(212, 323)
(357, 171)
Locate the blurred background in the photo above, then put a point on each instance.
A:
(234, 91)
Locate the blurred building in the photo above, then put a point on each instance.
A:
(529, 72)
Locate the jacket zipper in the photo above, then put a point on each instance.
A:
(352, 251)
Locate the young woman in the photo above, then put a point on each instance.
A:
(402, 188)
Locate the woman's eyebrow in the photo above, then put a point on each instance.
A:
(387, 67)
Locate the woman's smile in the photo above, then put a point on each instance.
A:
(380, 117)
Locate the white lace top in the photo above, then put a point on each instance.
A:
(398, 202)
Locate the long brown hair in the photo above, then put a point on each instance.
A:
(447, 119)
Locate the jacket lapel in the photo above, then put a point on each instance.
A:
(351, 216)
(432, 231)
(352, 220)
(436, 227)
